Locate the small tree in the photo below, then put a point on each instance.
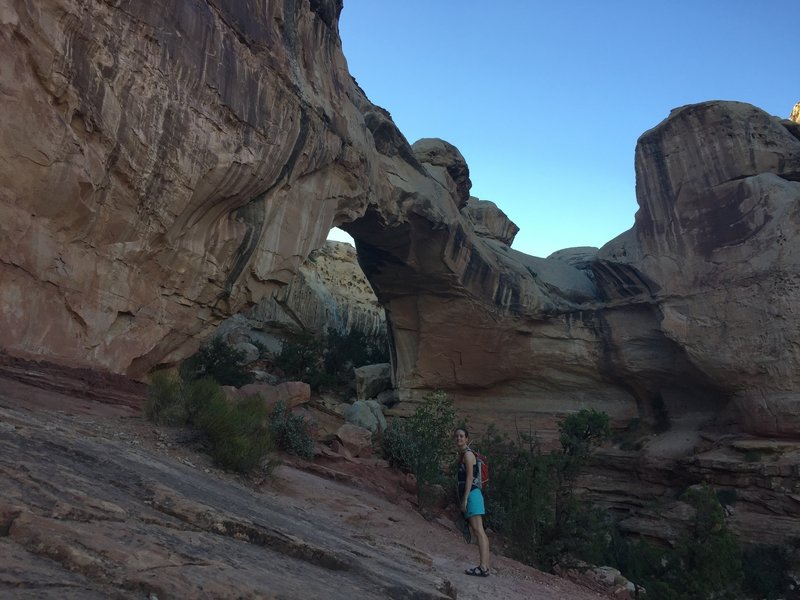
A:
(532, 497)
(217, 360)
(705, 564)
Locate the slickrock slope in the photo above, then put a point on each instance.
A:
(97, 503)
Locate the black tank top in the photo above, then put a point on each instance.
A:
(462, 476)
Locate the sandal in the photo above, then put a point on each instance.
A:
(477, 572)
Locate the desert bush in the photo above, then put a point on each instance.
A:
(290, 431)
(396, 446)
(166, 403)
(532, 501)
(217, 360)
(422, 443)
(705, 563)
(327, 362)
(345, 351)
(766, 571)
(300, 358)
(237, 432)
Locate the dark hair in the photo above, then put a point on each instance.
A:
(464, 429)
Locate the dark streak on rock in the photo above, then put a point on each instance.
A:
(253, 213)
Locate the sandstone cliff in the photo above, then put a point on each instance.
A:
(164, 167)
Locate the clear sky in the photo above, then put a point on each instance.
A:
(546, 100)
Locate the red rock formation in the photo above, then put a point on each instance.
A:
(164, 166)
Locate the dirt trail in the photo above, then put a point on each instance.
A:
(95, 502)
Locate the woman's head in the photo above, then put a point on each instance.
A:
(462, 437)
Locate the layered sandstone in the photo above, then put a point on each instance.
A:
(329, 291)
(162, 167)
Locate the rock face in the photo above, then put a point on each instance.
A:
(489, 221)
(329, 291)
(692, 310)
(163, 167)
(717, 240)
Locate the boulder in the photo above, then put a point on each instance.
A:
(367, 414)
(434, 152)
(250, 353)
(292, 393)
(489, 221)
(371, 380)
(388, 398)
(357, 441)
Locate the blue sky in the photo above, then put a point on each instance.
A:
(546, 100)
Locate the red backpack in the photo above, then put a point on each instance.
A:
(483, 470)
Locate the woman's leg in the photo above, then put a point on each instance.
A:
(476, 526)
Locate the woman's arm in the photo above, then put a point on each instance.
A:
(469, 464)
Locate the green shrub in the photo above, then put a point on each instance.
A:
(290, 432)
(217, 360)
(301, 357)
(353, 349)
(705, 564)
(397, 445)
(237, 431)
(165, 404)
(327, 362)
(532, 501)
(422, 443)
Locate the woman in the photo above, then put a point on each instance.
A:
(472, 500)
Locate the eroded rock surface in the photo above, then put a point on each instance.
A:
(100, 504)
(329, 291)
(164, 166)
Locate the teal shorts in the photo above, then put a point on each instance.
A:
(475, 504)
